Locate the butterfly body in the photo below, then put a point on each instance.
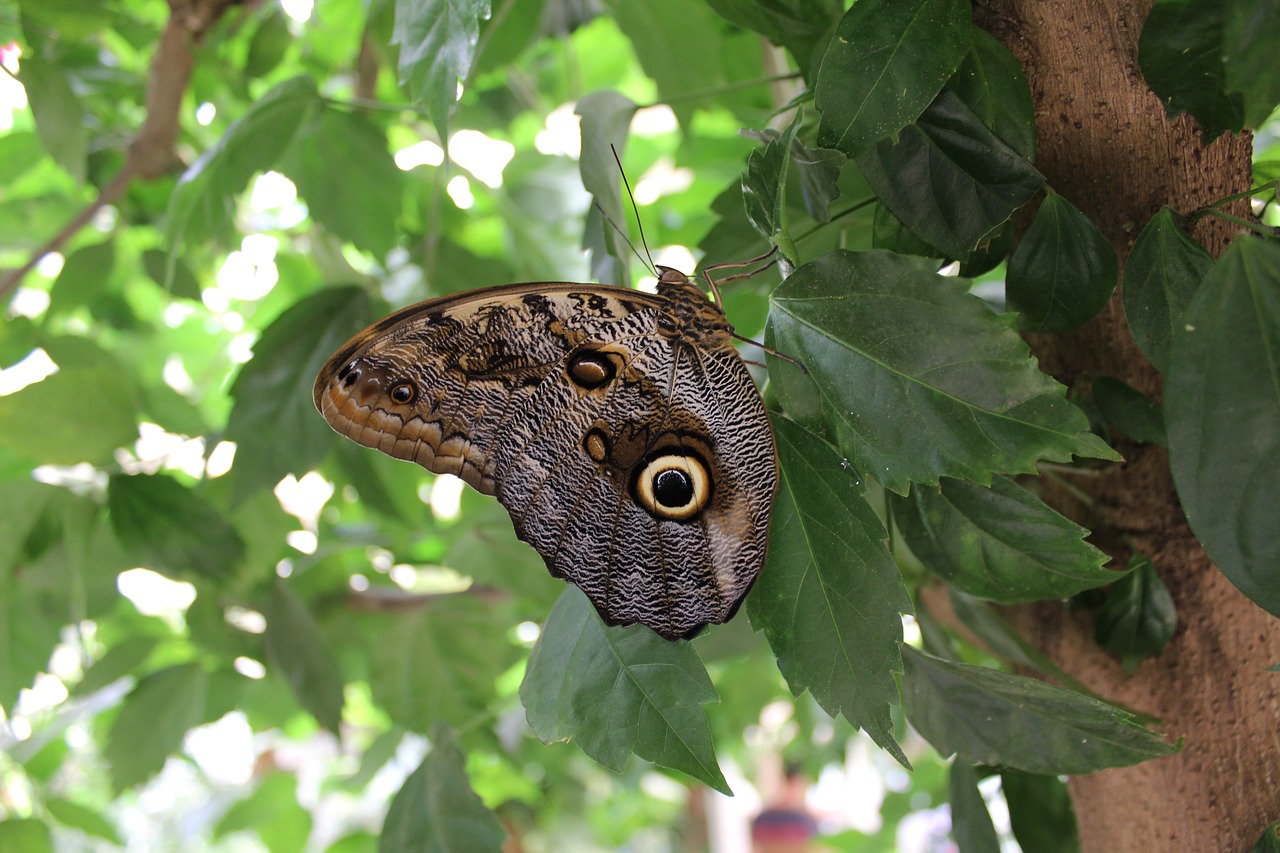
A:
(621, 430)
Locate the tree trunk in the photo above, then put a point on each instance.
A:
(1107, 146)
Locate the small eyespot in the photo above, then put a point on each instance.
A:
(673, 486)
(596, 445)
(403, 393)
(592, 369)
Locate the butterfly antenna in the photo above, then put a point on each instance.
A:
(634, 208)
(647, 263)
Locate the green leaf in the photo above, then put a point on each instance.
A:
(952, 391)
(619, 690)
(27, 634)
(153, 721)
(818, 173)
(437, 664)
(87, 820)
(437, 41)
(1222, 407)
(950, 179)
(1138, 619)
(83, 278)
(364, 206)
(84, 414)
(606, 117)
(435, 810)
(1040, 812)
(764, 185)
(830, 595)
(26, 835)
(1268, 841)
(986, 716)
(272, 812)
(1063, 271)
(201, 206)
(1161, 275)
(971, 826)
(800, 26)
(295, 647)
(888, 232)
(59, 115)
(267, 47)
(171, 528)
(122, 659)
(273, 421)
(887, 61)
(1249, 56)
(1130, 411)
(1001, 543)
(1180, 53)
(991, 84)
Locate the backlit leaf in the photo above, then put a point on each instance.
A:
(437, 40)
(1248, 45)
(297, 649)
(764, 185)
(272, 812)
(171, 528)
(436, 811)
(153, 720)
(986, 716)
(59, 115)
(87, 820)
(914, 378)
(619, 690)
(1222, 407)
(79, 414)
(830, 595)
(26, 834)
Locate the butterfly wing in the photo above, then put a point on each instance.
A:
(625, 437)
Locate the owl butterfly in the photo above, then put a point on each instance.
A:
(620, 429)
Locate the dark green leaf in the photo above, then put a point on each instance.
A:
(437, 41)
(887, 61)
(1160, 276)
(1249, 56)
(87, 820)
(1129, 411)
(986, 716)
(1180, 53)
(171, 528)
(181, 282)
(991, 83)
(79, 414)
(436, 811)
(274, 423)
(952, 391)
(295, 647)
(27, 835)
(362, 207)
(1001, 543)
(1268, 841)
(202, 204)
(971, 826)
(1063, 271)
(616, 691)
(764, 185)
(153, 720)
(272, 812)
(1040, 812)
(436, 664)
(268, 45)
(27, 635)
(888, 232)
(1222, 407)
(830, 595)
(60, 118)
(1139, 618)
(818, 173)
(949, 178)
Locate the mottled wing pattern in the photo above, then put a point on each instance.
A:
(620, 430)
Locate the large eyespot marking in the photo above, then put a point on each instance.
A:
(403, 393)
(673, 486)
(591, 369)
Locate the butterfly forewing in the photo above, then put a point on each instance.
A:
(620, 430)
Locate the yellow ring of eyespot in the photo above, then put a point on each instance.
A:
(691, 466)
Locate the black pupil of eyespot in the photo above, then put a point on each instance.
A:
(401, 393)
(673, 488)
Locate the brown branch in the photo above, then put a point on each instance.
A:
(390, 600)
(150, 154)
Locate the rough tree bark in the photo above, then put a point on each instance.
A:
(1106, 144)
